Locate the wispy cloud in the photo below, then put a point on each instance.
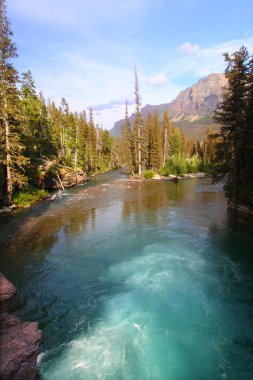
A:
(188, 48)
(158, 80)
(206, 60)
(113, 104)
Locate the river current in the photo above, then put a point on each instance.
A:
(135, 280)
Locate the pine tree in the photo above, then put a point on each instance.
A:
(106, 145)
(12, 160)
(64, 124)
(175, 142)
(46, 146)
(191, 147)
(247, 170)
(183, 143)
(166, 131)
(155, 144)
(231, 117)
(82, 137)
(127, 144)
(209, 147)
(138, 126)
(37, 134)
(148, 134)
(54, 120)
(92, 143)
(71, 141)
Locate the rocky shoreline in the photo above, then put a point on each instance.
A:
(171, 177)
(175, 178)
(53, 177)
(244, 208)
(57, 177)
(20, 342)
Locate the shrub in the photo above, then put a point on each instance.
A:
(29, 196)
(178, 165)
(193, 164)
(209, 168)
(148, 174)
(102, 167)
(163, 172)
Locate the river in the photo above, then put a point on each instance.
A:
(135, 280)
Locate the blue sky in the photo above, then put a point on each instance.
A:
(85, 50)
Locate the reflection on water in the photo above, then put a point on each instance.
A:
(134, 280)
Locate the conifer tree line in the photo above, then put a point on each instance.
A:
(161, 140)
(235, 115)
(151, 142)
(32, 130)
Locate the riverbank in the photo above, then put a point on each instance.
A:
(171, 177)
(68, 178)
(176, 178)
(244, 208)
(50, 176)
(20, 342)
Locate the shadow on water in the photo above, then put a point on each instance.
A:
(36, 229)
(37, 250)
(231, 249)
(235, 238)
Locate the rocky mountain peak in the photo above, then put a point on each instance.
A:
(192, 109)
(200, 99)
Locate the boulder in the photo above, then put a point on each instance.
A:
(8, 294)
(68, 177)
(73, 178)
(20, 342)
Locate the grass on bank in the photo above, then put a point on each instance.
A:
(178, 165)
(29, 197)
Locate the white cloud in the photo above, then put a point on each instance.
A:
(108, 117)
(211, 60)
(117, 103)
(206, 60)
(85, 82)
(188, 48)
(158, 80)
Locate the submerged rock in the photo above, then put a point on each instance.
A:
(20, 342)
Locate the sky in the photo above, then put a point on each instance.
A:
(85, 50)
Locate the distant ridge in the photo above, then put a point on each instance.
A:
(192, 109)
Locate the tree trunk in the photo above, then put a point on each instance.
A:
(139, 150)
(237, 175)
(165, 147)
(76, 150)
(8, 155)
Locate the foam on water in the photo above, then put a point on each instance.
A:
(162, 326)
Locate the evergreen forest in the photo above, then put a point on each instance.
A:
(39, 138)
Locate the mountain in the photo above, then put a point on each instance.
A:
(192, 109)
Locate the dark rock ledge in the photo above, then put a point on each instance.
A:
(241, 207)
(20, 342)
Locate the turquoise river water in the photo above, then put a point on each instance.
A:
(132, 280)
